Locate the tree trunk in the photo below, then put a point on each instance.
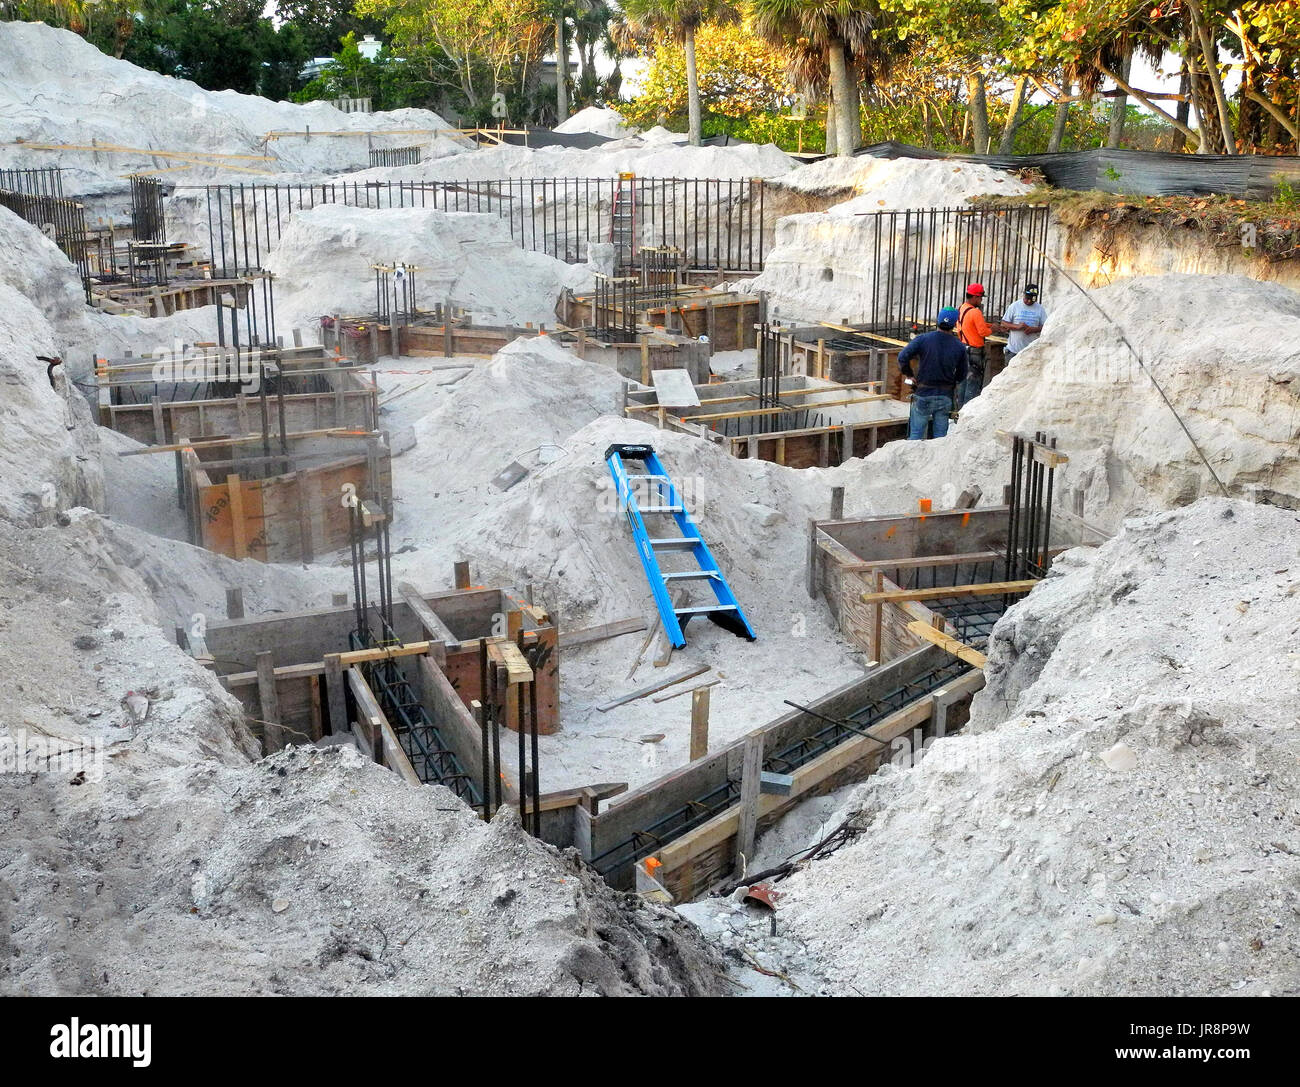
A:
(929, 124)
(1184, 106)
(1008, 140)
(1119, 104)
(843, 93)
(1059, 122)
(1133, 92)
(979, 113)
(832, 132)
(692, 90)
(561, 71)
(1211, 54)
(855, 107)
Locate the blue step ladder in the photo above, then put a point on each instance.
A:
(663, 501)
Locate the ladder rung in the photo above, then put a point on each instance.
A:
(661, 509)
(687, 575)
(704, 609)
(666, 479)
(671, 543)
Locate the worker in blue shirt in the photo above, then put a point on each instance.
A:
(940, 367)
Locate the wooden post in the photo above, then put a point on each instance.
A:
(269, 704)
(335, 693)
(699, 723)
(306, 550)
(234, 603)
(837, 503)
(460, 572)
(751, 447)
(159, 430)
(751, 772)
(812, 558)
(645, 361)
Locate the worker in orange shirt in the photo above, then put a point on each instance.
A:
(972, 330)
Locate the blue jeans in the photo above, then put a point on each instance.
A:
(969, 389)
(928, 409)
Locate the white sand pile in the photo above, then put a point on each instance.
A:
(1240, 399)
(188, 869)
(60, 89)
(48, 459)
(821, 267)
(643, 155)
(560, 530)
(1120, 817)
(324, 264)
(899, 183)
(36, 268)
(603, 122)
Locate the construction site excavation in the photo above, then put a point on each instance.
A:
(555, 559)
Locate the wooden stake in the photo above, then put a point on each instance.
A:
(269, 704)
(699, 723)
(750, 780)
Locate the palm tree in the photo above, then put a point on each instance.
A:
(842, 32)
(680, 19)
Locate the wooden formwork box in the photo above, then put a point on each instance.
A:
(352, 400)
(729, 321)
(697, 861)
(447, 684)
(807, 447)
(160, 301)
(292, 517)
(849, 558)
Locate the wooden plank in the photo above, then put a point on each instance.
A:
(750, 790)
(941, 592)
(436, 628)
(571, 638)
(268, 704)
(461, 574)
(369, 715)
(249, 439)
(699, 723)
(651, 688)
(945, 641)
(688, 690)
(507, 654)
(336, 696)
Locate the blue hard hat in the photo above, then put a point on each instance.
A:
(947, 317)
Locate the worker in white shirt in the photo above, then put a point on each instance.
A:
(1022, 322)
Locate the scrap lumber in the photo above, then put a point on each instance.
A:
(687, 690)
(436, 628)
(571, 638)
(957, 648)
(651, 688)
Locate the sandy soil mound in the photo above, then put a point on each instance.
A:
(326, 255)
(1128, 453)
(166, 862)
(1120, 816)
(821, 265)
(603, 122)
(58, 88)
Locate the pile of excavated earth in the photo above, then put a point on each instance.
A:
(1118, 817)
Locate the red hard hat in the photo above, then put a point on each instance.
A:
(975, 289)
